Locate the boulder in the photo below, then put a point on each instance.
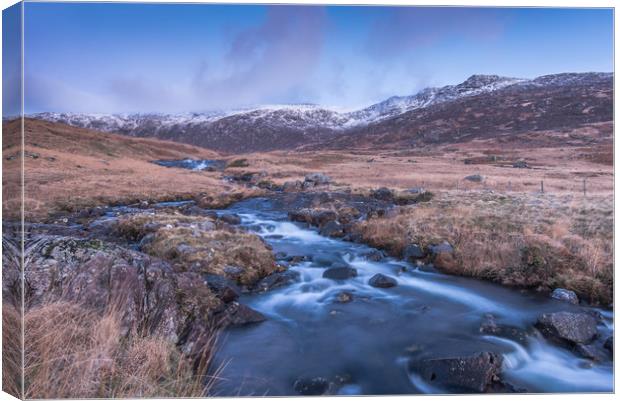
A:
(237, 314)
(520, 164)
(444, 247)
(475, 373)
(340, 273)
(317, 179)
(592, 352)
(415, 190)
(276, 280)
(565, 295)
(311, 386)
(232, 219)
(413, 252)
(490, 326)
(382, 281)
(332, 229)
(568, 327)
(474, 178)
(383, 193)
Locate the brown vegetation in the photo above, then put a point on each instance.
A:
(540, 242)
(192, 243)
(74, 352)
(68, 169)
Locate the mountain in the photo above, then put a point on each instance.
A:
(550, 108)
(445, 113)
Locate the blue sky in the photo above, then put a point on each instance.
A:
(184, 57)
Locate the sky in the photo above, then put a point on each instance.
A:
(107, 58)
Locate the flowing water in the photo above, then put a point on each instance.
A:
(365, 345)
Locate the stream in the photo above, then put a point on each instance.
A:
(365, 345)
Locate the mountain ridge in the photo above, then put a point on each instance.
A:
(272, 127)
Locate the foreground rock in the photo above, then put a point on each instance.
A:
(475, 373)
(340, 273)
(147, 293)
(382, 281)
(565, 295)
(568, 327)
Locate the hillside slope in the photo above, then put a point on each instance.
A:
(68, 167)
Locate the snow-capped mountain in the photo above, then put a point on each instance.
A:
(285, 126)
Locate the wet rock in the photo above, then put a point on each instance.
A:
(225, 289)
(475, 372)
(609, 345)
(490, 326)
(340, 273)
(568, 327)
(344, 297)
(311, 386)
(237, 314)
(332, 229)
(232, 219)
(413, 252)
(474, 178)
(375, 256)
(276, 280)
(592, 352)
(317, 179)
(383, 193)
(565, 295)
(382, 281)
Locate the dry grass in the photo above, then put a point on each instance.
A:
(11, 350)
(73, 352)
(540, 242)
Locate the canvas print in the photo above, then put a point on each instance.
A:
(234, 200)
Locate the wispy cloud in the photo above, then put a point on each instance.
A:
(406, 29)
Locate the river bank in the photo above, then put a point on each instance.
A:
(278, 287)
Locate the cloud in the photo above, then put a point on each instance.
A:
(45, 93)
(408, 28)
(269, 61)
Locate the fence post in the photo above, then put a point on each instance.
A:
(542, 187)
(584, 187)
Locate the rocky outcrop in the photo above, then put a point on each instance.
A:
(472, 373)
(568, 327)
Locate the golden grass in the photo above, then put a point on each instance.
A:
(540, 242)
(77, 168)
(188, 244)
(74, 352)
